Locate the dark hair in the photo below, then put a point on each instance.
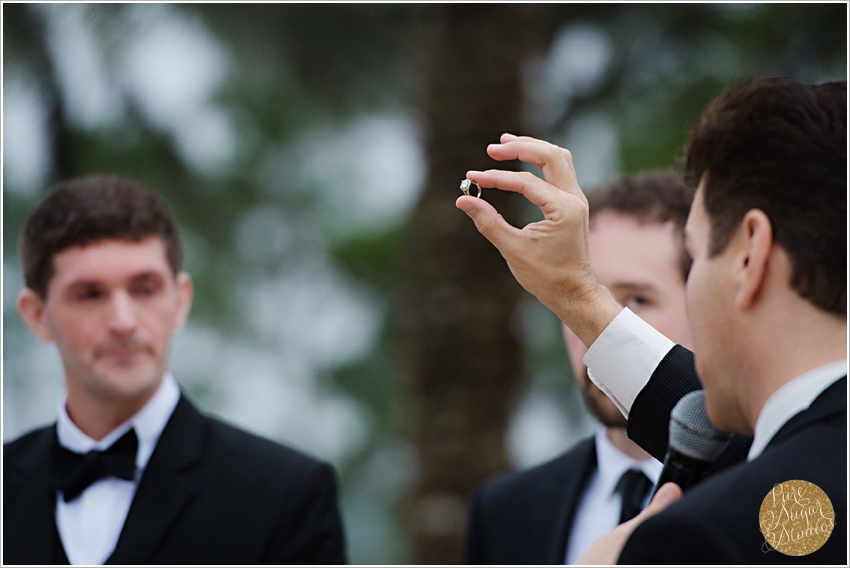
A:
(83, 211)
(652, 197)
(780, 147)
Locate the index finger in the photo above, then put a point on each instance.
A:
(555, 162)
(538, 191)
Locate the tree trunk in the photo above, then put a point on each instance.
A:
(464, 352)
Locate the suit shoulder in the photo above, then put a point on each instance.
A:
(674, 538)
(534, 479)
(23, 443)
(229, 454)
(238, 443)
(522, 517)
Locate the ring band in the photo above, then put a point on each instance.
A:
(466, 184)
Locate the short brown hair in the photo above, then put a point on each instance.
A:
(83, 211)
(651, 197)
(780, 147)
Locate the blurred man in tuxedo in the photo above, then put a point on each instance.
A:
(552, 513)
(132, 472)
(766, 298)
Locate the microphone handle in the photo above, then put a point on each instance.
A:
(682, 470)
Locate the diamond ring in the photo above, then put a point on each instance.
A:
(466, 184)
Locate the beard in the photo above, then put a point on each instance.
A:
(602, 408)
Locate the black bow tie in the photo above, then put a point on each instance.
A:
(72, 473)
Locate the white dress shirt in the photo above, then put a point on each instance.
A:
(624, 356)
(90, 525)
(598, 511)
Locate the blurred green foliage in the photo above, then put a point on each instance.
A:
(296, 67)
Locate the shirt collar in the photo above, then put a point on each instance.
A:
(611, 464)
(792, 398)
(149, 422)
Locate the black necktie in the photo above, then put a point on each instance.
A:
(632, 487)
(72, 473)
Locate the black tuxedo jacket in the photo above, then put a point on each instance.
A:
(210, 494)
(525, 517)
(717, 521)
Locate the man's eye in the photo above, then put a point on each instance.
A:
(636, 302)
(148, 289)
(90, 294)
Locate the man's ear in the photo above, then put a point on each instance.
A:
(754, 252)
(185, 294)
(31, 306)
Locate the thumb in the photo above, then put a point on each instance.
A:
(488, 221)
(667, 494)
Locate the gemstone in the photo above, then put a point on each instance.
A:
(464, 185)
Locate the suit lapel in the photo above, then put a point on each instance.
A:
(33, 535)
(168, 484)
(829, 402)
(570, 483)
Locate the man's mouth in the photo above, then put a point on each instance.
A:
(123, 353)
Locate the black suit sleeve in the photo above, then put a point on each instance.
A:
(649, 417)
(310, 530)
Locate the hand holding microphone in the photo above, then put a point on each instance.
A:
(693, 446)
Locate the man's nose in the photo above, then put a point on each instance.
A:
(122, 316)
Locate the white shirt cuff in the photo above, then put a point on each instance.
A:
(624, 356)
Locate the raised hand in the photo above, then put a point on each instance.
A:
(549, 258)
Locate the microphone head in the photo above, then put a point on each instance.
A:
(692, 433)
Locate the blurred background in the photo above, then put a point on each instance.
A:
(312, 155)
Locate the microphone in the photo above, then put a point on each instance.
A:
(694, 443)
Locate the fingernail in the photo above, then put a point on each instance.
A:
(509, 136)
(667, 495)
